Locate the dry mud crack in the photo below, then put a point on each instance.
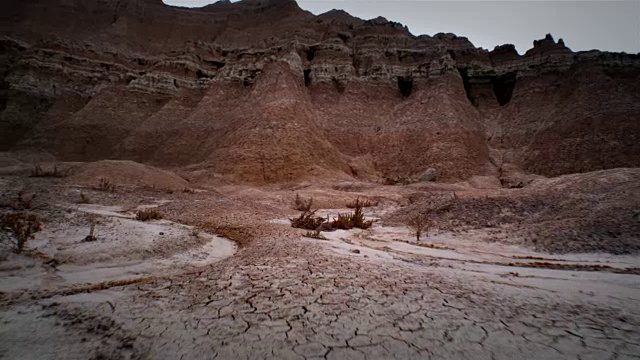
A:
(302, 299)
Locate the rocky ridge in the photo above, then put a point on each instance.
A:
(263, 91)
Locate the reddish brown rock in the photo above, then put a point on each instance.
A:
(263, 91)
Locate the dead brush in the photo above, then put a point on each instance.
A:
(148, 214)
(84, 199)
(315, 234)
(302, 204)
(105, 185)
(352, 220)
(19, 227)
(420, 223)
(361, 203)
(308, 220)
(55, 173)
(23, 201)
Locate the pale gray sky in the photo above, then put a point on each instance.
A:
(584, 25)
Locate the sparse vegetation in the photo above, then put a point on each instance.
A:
(84, 199)
(361, 203)
(308, 220)
(148, 214)
(55, 173)
(105, 185)
(420, 223)
(315, 234)
(19, 227)
(302, 204)
(23, 201)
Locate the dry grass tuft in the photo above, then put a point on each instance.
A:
(105, 185)
(308, 220)
(315, 234)
(148, 214)
(361, 203)
(55, 173)
(19, 227)
(302, 204)
(84, 199)
(23, 201)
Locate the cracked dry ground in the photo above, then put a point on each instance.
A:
(292, 299)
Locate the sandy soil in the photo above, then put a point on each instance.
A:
(159, 290)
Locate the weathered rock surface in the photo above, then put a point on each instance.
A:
(263, 91)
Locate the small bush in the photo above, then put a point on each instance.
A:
(19, 227)
(38, 172)
(315, 234)
(302, 204)
(308, 220)
(148, 214)
(23, 201)
(105, 185)
(84, 199)
(361, 203)
(352, 220)
(420, 223)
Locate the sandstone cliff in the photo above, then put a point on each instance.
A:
(263, 91)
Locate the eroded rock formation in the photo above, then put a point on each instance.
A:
(263, 91)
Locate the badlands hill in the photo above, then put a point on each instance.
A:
(263, 91)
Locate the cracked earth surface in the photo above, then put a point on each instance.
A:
(296, 299)
(350, 297)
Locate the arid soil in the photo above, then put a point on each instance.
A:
(223, 275)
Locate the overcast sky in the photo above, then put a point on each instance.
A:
(584, 25)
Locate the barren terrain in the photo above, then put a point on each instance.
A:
(155, 154)
(245, 284)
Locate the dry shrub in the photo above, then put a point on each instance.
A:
(19, 227)
(302, 204)
(55, 173)
(420, 223)
(351, 220)
(361, 203)
(148, 214)
(23, 201)
(315, 234)
(105, 185)
(308, 220)
(84, 199)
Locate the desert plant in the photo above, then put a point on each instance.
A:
(84, 199)
(420, 223)
(19, 227)
(315, 234)
(361, 203)
(23, 201)
(105, 185)
(148, 214)
(302, 204)
(307, 220)
(38, 172)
